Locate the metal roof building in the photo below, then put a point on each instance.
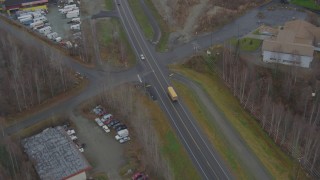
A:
(55, 156)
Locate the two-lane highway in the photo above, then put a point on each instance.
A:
(197, 145)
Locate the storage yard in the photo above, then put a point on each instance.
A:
(59, 23)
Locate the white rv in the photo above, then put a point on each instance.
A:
(75, 27)
(46, 30)
(42, 18)
(52, 35)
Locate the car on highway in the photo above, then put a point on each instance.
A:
(99, 122)
(105, 128)
(150, 90)
(142, 57)
(121, 127)
(125, 139)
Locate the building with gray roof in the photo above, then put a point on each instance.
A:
(55, 156)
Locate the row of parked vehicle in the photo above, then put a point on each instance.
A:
(106, 121)
(37, 21)
(72, 134)
(71, 11)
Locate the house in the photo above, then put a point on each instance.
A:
(27, 5)
(294, 44)
(55, 156)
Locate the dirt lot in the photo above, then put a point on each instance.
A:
(103, 152)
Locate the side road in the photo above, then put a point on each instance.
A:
(153, 22)
(244, 153)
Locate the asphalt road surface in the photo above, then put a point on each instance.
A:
(207, 161)
(154, 70)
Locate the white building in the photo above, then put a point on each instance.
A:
(294, 44)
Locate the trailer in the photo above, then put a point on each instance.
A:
(65, 11)
(42, 18)
(52, 35)
(46, 30)
(70, 6)
(72, 15)
(36, 24)
(36, 15)
(25, 19)
(76, 20)
(25, 16)
(75, 27)
(58, 39)
(27, 23)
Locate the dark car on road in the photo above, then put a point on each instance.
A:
(150, 90)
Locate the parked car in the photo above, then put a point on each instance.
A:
(125, 139)
(81, 149)
(117, 125)
(106, 117)
(71, 132)
(97, 109)
(121, 127)
(139, 176)
(105, 128)
(99, 122)
(118, 137)
(113, 122)
(73, 137)
(107, 121)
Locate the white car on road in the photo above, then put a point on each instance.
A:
(142, 57)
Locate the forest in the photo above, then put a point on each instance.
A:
(29, 76)
(284, 99)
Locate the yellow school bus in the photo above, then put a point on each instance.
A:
(173, 95)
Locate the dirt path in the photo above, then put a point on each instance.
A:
(192, 19)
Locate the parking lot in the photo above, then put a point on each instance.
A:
(58, 22)
(103, 152)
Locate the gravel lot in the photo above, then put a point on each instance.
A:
(103, 152)
(58, 22)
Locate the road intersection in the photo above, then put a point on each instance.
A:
(154, 71)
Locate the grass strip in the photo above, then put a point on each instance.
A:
(247, 44)
(108, 30)
(311, 4)
(180, 163)
(109, 5)
(279, 164)
(212, 131)
(142, 19)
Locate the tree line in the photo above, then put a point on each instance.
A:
(29, 75)
(285, 102)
